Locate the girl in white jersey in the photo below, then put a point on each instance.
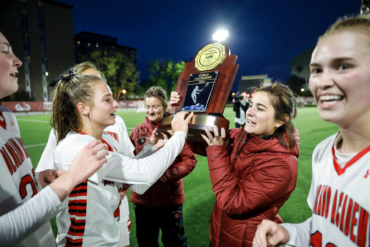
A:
(339, 194)
(24, 212)
(119, 131)
(83, 107)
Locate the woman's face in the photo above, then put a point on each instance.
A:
(340, 78)
(154, 109)
(102, 112)
(261, 116)
(9, 64)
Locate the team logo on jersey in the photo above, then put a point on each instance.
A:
(142, 139)
(2, 121)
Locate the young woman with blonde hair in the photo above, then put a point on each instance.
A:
(83, 107)
(340, 84)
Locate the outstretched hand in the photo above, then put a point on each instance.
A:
(48, 176)
(157, 140)
(88, 160)
(174, 99)
(180, 122)
(217, 140)
(270, 233)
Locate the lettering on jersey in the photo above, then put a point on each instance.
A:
(14, 153)
(77, 212)
(346, 214)
(115, 135)
(12, 123)
(367, 173)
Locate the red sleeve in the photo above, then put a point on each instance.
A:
(134, 137)
(260, 188)
(183, 165)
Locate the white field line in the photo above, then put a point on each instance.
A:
(36, 145)
(31, 120)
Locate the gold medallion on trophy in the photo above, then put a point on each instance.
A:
(210, 57)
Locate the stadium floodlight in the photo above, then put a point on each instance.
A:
(302, 89)
(220, 35)
(124, 91)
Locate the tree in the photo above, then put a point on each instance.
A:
(164, 74)
(118, 69)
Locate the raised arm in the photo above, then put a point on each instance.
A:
(17, 224)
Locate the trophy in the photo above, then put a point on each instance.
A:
(204, 87)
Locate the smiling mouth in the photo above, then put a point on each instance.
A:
(249, 122)
(329, 99)
(14, 74)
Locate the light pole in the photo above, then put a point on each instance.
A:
(365, 7)
(220, 35)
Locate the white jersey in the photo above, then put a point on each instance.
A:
(90, 215)
(338, 198)
(17, 186)
(124, 146)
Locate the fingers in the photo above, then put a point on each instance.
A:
(92, 144)
(189, 116)
(215, 131)
(165, 137)
(208, 133)
(100, 146)
(205, 139)
(223, 134)
(100, 155)
(154, 133)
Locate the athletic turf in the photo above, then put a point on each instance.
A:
(199, 195)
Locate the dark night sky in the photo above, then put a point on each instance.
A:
(266, 35)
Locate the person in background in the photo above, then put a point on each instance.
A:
(338, 197)
(161, 206)
(24, 212)
(253, 170)
(240, 107)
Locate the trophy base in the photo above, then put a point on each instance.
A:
(197, 125)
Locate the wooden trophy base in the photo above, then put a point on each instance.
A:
(197, 125)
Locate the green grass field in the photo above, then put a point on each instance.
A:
(199, 195)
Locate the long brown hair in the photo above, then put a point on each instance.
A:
(67, 95)
(284, 103)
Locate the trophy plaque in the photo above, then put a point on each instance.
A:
(204, 88)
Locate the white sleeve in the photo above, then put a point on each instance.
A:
(125, 144)
(46, 161)
(141, 173)
(17, 224)
(299, 234)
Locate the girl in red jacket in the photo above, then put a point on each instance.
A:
(160, 207)
(253, 171)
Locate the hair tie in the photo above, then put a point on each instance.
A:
(71, 74)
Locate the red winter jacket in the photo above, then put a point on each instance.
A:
(251, 182)
(171, 192)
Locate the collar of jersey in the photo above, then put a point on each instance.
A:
(337, 167)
